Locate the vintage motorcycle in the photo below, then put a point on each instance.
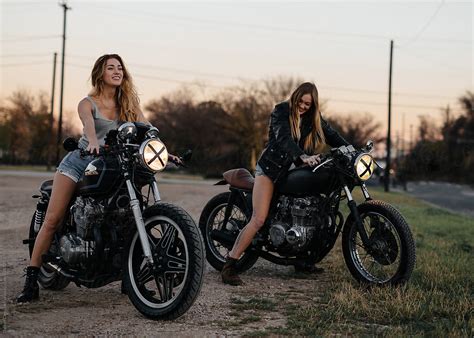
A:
(114, 230)
(304, 221)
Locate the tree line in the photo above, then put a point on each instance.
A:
(444, 152)
(230, 130)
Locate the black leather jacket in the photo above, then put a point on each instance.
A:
(282, 150)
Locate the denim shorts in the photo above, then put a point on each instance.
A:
(73, 165)
(259, 171)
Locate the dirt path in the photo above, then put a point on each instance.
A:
(260, 304)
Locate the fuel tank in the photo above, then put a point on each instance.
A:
(302, 181)
(101, 176)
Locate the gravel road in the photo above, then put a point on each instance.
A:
(81, 311)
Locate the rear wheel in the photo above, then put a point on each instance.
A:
(391, 258)
(212, 219)
(47, 277)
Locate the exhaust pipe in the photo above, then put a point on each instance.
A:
(60, 270)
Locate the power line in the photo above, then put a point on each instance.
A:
(24, 3)
(159, 78)
(384, 93)
(163, 79)
(23, 55)
(233, 77)
(176, 70)
(416, 37)
(30, 38)
(384, 104)
(24, 64)
(336, 88)
(186, 20)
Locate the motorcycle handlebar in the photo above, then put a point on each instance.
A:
(84, 152)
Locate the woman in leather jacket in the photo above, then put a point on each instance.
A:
(297, 134)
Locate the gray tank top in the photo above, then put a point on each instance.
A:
(101, 124)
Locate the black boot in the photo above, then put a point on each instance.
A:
(229, 273)
(31, 289)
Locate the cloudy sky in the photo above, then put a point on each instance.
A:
(343, 46)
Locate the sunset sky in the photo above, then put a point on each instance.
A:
(342, 46)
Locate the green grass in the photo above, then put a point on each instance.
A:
(254, 303)
(438, 300)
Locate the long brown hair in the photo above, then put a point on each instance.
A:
(126, 96)
(315, 141)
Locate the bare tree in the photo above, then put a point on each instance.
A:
(356, 129)
(427, 129)
(25, 121)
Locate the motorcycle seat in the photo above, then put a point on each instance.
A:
(239, 178)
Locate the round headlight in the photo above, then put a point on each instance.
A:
(153, 155)
(364, 166)
(127, 131)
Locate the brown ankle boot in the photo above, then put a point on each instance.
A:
(229, 273)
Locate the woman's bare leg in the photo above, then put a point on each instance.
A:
(63, 189)
(261, 199)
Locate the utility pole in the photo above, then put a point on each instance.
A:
(403, 136)
(397, 148)
(51, 115)
(411, 138)
(387, 166)
(63, 4)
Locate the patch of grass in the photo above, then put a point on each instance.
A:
(436, 302)
(250, 319)
(254, 303)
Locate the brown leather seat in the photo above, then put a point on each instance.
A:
(239, 178)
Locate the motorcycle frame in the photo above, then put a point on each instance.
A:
(352, 205)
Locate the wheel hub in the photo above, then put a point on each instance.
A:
(384, 248)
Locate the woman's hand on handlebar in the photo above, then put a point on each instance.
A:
(312, 161)
(93, 147)
(175, 159)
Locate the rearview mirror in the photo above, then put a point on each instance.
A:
(369, 146)
(187, 155)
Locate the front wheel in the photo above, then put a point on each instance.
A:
(391, 257)
(167, 290)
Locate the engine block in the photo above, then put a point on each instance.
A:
(295, 223)
(86, 212)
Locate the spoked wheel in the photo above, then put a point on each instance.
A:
(390, 259)
(212, 219)
(167, 289)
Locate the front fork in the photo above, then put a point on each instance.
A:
(137, 213)
(355, 213)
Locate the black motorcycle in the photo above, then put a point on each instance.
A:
(117, 228)
(304, 221)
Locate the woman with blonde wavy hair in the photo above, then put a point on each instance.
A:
(297, 134)
(112, 101)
